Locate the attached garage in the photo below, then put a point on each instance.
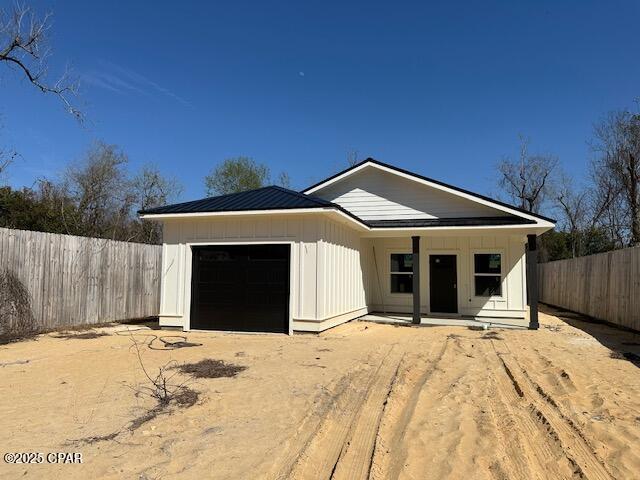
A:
(242, 288)
(276, 260)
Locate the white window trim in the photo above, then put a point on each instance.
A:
(400, 294)
(499, 251)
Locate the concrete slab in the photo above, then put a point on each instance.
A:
(458, 321)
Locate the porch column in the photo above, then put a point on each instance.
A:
(532, 281)
(416, 279)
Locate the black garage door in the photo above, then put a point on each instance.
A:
(240, 288)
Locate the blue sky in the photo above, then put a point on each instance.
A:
(442, 88)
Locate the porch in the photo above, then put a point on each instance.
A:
(452, 278)
(446, 321)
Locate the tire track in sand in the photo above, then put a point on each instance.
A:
(342, 444)
(559, 429)
(357, 454)
(389, 453)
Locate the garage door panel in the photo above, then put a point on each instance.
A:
(276, 273)
(241, 288)
(220, 274)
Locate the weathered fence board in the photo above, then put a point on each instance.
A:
(77, 280)
(605, 286)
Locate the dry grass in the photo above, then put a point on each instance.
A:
(16, 317)
(81, 336)
(210, 368)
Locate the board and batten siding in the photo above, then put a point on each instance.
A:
(512, 302)
(78, 280)
(326, 284)
(605, 286)
(373, 194)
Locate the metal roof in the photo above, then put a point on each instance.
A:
(266, 198)
(279, 198)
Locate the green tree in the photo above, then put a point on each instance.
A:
(44, 209)
(236, 174)
(554, 245)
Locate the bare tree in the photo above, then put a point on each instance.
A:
(24, 47)
(102, 192)
(284, 180)
(580, 212)
(616, 174)
(152, 189)
(574, 208)
(352, 157)
(7, 156)
(528, 180)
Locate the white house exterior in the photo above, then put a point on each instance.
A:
(372, 238)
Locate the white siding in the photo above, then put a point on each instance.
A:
(340, 271)
(512, 302)
(334, 274)
(373, 194)
(326, 274)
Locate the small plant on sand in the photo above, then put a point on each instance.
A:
(163, 388)
(168, 388)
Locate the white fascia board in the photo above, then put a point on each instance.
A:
(469, 230)
(339, 177)
(530, 226)
(285, 211)
(539, 222)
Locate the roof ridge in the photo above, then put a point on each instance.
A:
(258, 197)
(204, 199)
(318, 200)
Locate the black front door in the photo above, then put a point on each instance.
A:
(240, 288)
(443, 284)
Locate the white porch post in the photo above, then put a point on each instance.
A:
(416, 278)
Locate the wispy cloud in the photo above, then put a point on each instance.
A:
(123, 80)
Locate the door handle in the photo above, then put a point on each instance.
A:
(455, 285)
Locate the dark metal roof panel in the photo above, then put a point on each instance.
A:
(449, 222)
(266, 198)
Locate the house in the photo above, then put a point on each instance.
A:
(371, 238)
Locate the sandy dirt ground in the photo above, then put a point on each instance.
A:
(362, 400)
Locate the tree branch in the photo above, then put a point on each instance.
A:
(27, 49)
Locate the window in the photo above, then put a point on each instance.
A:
(487, 274)
(401, 273)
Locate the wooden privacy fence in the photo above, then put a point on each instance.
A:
(605, 286)
(77, 280)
